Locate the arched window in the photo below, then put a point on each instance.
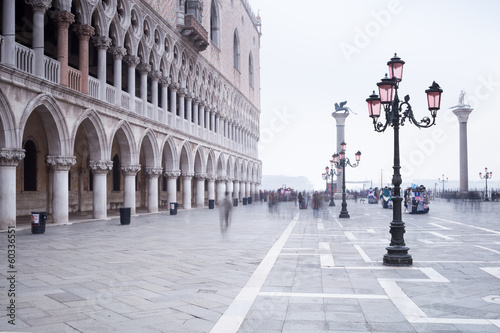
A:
(116, 173)
(250, 70)
(214, 24)
(236, 50)
(30, 162)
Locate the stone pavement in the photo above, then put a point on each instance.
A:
(280, 272)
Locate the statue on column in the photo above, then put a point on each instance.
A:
(342, 107)
(461, 101)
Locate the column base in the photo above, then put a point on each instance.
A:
(344, 215)
(332, 203)
(397, 256)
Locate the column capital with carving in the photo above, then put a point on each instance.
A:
(63, 18)
(84, 31)
(100, 166)
(132, 60)
(172, 173)
(182, 92)
(155, 75)
(101, 42)
(153, 172)
(11, 157)
(212, 177)
(130, 170)
(118, 52)
(200, 176)
(39, 5)
(165, 81)
(187, 174)
(144, 67)
(174, 86)
(60, 163)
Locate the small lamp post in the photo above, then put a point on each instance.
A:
(487, 175)
(330, 172)
(443, 181)
(396, 113)
(340, 162)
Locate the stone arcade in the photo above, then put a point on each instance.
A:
(108, 104)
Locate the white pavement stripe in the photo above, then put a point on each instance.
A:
(339, 224)
(437, 234)
(232, 318)
(488, 249)
(349, 235)
(407, 307)
(321, 226)
(426, 241)
(371, 231)
(467, 225)
(318, 295)
(495, 271)
(326, 259)
(362, 253)
(440, 226)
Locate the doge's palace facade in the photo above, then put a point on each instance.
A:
(126, 103)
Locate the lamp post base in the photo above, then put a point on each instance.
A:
(344, 214)
(397, 256)
(332, 203)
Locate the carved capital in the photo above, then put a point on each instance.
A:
(84, 31)
(182, 92)
(130, 170)
(153, 172)
(40, 5)
(212, 177)
(144, 68)
(132, 60)
(165, 81)
(101, 42)
(155, 75)
(60, 163)
(174, 86)
(11, 157)
(118, 52)
(63, 18)
(198, 175)
(187, 174)
(172, 173)
(100, 166)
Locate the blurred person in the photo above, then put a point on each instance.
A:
(225, 212)
(316, 202)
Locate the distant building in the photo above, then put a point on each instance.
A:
(273, 182)
(126, 103)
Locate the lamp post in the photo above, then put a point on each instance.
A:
(340, 161)
(487, 175)
(330, 172)
(397, 252)
(443, 181)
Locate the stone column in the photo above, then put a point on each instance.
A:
(9, 39)
(211, 187)
(208, 114)
(340, 118)
(247, 189)
(9, 159)
(84, 32)
(63, 20)
(99, 173)
(132, 61)
(462, 113)
(118, 53)
(155, 77)
(59, 167)
(200, 189)
(252, 190)
(201, 116)
(196, 103)
(212, 121)
(129, 172)
(102, 43)
(144, 70)
(242, 190)
(186, 189)
(153, 174)
(221, 188)
(39, 9)
(164, 81)
(189, 107)
(172, 185)
(182, 94)
(173, 99)
(229, 187)
(236, 189)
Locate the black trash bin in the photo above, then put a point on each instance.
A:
(211, 204)
(249, 200)
(173, 208)
(125, 215)
(245, 201)
(38, 220)
(235, 202)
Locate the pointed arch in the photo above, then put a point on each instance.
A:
(170, 157)
(186, 157)
(125, 139)
(8, 133)
(152, 153)
(96, 133)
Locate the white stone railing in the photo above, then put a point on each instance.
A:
(125, 100)
(74, 79)
(52, 69)
(94, 87)
(24, 58)
(149, 111)
(138, 105)
(110, 94)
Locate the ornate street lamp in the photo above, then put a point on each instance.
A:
(487, 175)
(330, 172)
(340, 162)
(397, 253)
(443, 181)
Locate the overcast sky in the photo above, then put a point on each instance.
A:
(313, 56)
